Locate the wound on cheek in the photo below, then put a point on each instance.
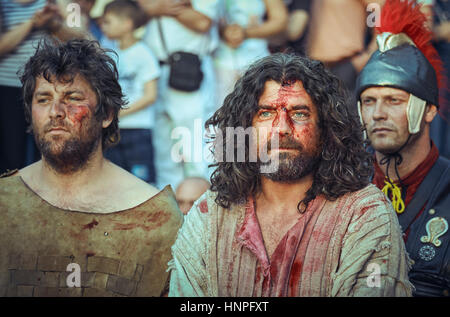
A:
(78, 113)
(304, 132)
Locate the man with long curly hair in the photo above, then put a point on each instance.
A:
(314, 226)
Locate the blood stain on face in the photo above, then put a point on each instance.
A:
(287, 91)
(291, 115)
(76, 114)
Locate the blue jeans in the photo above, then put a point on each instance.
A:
(134, 153)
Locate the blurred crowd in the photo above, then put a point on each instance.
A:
(225, 36)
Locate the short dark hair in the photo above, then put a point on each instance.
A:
(63, 61)
(343, 165)
(127, 8)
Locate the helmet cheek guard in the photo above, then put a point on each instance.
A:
(414, 113)
(361, 120)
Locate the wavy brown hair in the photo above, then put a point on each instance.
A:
(344, 164)
(60, 61)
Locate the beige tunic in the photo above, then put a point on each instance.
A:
(334, 249)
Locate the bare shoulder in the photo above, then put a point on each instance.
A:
(131, 186)
(141, 188)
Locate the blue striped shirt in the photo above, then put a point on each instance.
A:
(12, 14)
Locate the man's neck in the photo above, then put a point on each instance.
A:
(127, 41)
(282, 198)
(75, 182)
(412, 156)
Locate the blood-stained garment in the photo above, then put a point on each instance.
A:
(333, 250)
(124, 253)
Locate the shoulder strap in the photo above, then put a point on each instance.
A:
(163, 41)
(439, 171)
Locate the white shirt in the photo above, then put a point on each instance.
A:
(136, 65)
(179, 37)
(13, 14)
(243, 13)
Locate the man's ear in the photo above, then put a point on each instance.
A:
(107, 121)
(430, 113)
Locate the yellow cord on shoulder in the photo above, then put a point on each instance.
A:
(397, 201)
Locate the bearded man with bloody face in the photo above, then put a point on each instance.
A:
(74, 207)
(301, 219)
(68, 138)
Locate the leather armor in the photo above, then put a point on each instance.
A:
(429, 243)
(123, 253)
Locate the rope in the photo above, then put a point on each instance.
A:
(390, 187)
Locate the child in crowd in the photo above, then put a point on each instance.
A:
(138, 73)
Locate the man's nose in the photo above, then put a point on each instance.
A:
(58, 109)
(282, 122)
(379, 111)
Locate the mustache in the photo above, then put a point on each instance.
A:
(55, 124)
(286, 143)
(383, 126)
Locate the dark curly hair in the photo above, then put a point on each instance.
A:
(344, 164)
(63, 61)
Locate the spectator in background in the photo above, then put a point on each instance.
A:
(189, 191)
(22, 24)
(244, 34)
(138, 74)
(440, 130)
(293, 39)
(185, 26)
(90, 24)
(340, 37)
(337, 36)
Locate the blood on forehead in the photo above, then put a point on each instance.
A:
(287, 90)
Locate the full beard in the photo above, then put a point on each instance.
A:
(293, 167)
(70, 155)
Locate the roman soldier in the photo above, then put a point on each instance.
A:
(398, 99)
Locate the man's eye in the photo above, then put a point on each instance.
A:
(300, 115)
(367, 101)
(396, 101)
(42, 100)
(265, 114)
